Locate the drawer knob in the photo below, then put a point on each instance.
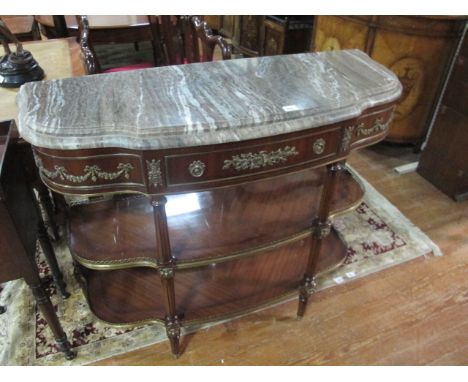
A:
(319, 146)
(197, 168)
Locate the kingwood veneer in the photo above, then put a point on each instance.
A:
(235, 168)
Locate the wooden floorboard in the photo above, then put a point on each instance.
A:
(412, 314)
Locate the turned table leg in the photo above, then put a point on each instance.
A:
(320, 230)
(46, 202)
(51, 259)
(44, 239)
(47, 309)
(31, 276)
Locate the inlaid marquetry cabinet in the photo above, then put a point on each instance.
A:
(417, 49)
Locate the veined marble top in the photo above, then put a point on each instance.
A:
(205, 103)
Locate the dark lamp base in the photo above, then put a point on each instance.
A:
(17, 69)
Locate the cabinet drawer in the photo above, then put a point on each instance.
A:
(370, 127)
(199, 167)
(90, 173)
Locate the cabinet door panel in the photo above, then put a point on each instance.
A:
(419, 63)
(274, 39)
(334, 33)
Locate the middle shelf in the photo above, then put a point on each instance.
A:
(208, 226)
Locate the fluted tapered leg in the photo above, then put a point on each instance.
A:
(321, 228)
(166, 272)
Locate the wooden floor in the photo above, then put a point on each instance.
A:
(412, 314)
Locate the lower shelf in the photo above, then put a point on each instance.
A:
(212, 292)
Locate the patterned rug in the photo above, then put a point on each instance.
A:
(378, 236)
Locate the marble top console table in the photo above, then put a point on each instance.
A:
(224, 177)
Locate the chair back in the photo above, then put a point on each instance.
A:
(117, 31)
(169, 32)
(92, 65)
(188, 39)
(200, 42)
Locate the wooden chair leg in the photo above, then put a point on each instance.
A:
(47, 309)
(46, 202)
(52, 260)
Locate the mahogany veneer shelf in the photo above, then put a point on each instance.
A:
(235, 184)
(211, 292)
(207, 226)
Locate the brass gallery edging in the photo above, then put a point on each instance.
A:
(188, 264)
(135, 262)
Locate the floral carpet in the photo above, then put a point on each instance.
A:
(378, 236)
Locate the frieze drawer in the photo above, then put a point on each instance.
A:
(251, 159)
(90, 173)
(370, 127)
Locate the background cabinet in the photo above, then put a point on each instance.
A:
(444, 160)
(286, 34)
(265, 35)
(418, 49)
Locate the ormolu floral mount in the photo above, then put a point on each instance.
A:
(16, 68)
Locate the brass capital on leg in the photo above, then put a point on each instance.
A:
(322, 229)
(166, 273)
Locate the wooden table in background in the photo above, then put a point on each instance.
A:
(23, 27)
(60, 58)
(133, 28)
